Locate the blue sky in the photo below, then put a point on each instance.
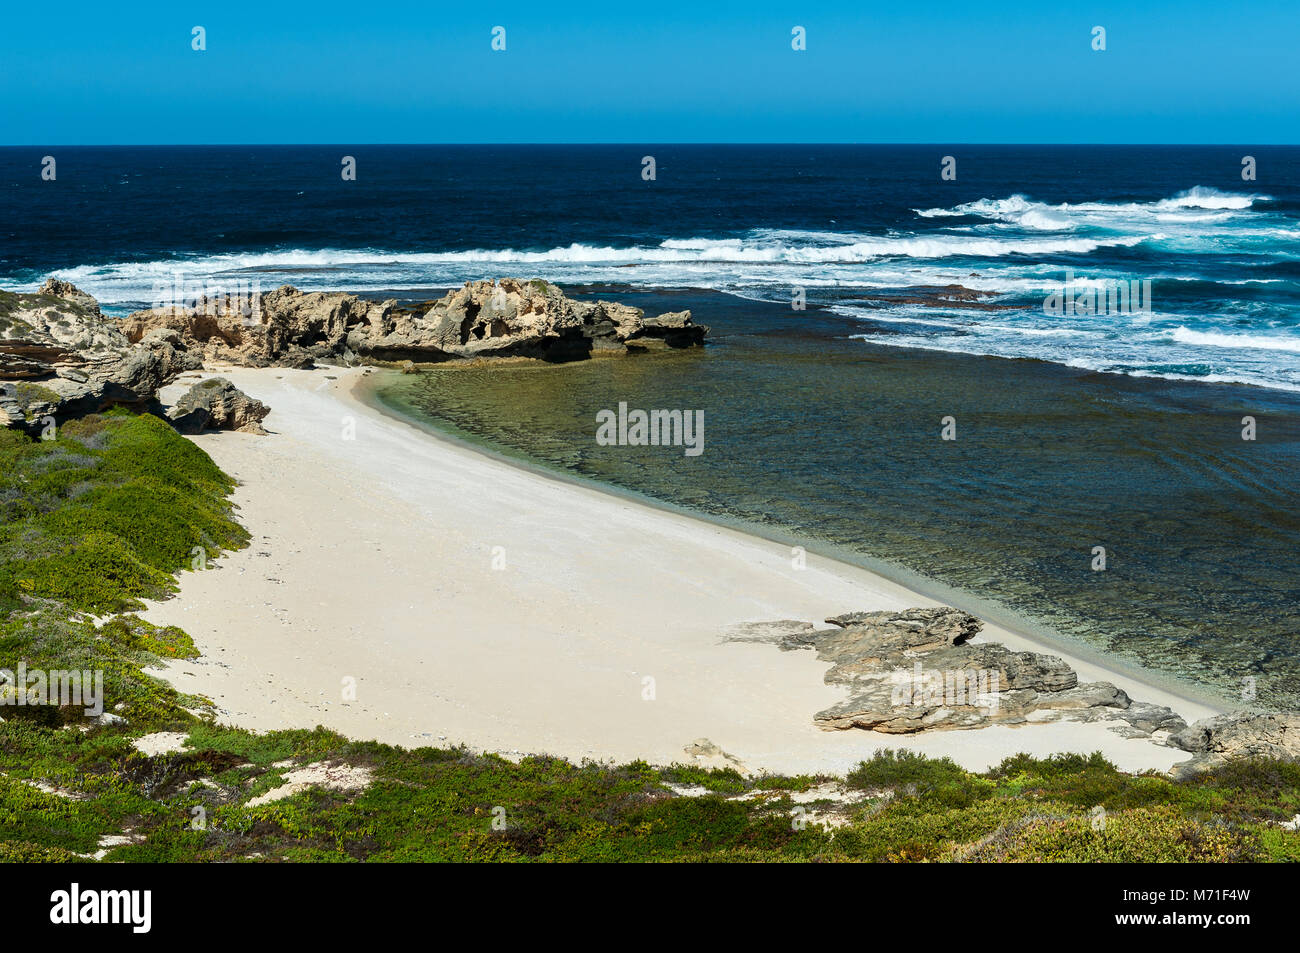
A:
(356, 72)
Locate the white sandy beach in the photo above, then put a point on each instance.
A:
(373, 559)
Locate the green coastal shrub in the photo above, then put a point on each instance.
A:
(434, 804)
(1159, 834)
(31, 816)
(103, 516)
(719, 780)
(120, 649)
(894, 769)
(94, 521)
(912, 829)
(98, 572)
(940, 781)
(1254, 787)
(1081, 780)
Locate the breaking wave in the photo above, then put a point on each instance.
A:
(1199, 248)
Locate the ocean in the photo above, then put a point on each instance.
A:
(839, 345)
(842, 223)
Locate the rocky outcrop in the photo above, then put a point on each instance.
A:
(55, 288)
(217, 404)
(948, 297)
(284, 328)
(511, 317)
(60, 357)
(1213, 741)
(505, 318)
(921, 629)
(917, 670)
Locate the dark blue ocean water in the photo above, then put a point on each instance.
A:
(823, 424)
(843, 223)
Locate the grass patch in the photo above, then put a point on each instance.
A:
(27, 394)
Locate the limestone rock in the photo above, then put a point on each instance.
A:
(510, 317)
(218, 404)
(943, 625)
(285, 327)
(675, 329)
(1213, 741)
(1148, 718)
(513, 317)
(60, 357)
(918, 670)
(1089, 695)
(55, 288)
(706, 754)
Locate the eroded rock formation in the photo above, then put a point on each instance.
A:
(217, 404)
(1212, 741)
(501, 318)
(60, 357)
(917, 670)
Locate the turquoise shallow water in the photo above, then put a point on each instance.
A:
(811, 435)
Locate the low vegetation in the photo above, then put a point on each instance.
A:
(110, 511)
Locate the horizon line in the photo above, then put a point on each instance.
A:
(243, 145)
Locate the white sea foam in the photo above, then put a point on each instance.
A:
(1202, 197)
(1262, 342)
(1131, 361)
(1198, 205)
(1008, 250)
(673, 263)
